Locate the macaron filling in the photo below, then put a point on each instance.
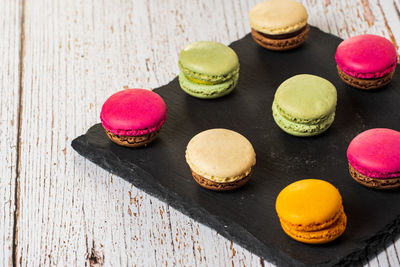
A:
(199, 81)
(278, 31)
(132, 132)
(300, 126)
(312, 121)
(198, 77)
(283, 35)
(318, 236)
(207, 90)
(216, 178)
(366, 75)
(373, 173)
(316, 226)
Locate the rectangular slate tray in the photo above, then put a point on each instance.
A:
(247, 216)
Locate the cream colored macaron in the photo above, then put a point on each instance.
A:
(278, 16)
(279, 24)
(220, 159)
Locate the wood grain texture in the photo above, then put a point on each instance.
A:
(10, 39)
(79, 52)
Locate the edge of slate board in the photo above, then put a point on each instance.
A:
(232, 231)
(229, 230)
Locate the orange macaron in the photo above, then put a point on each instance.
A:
(311, 211)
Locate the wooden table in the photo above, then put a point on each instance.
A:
(59, 61)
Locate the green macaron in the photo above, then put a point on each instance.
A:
(305, 105)
(208, 69)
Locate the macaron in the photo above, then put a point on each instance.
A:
(279, 24)
(133, 117)
(311, 211)
(366, 61)
(305, 105)
(220, 159)
(208, 69)
(374, 158)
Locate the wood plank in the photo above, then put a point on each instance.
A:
(10, 44)
(77, 54)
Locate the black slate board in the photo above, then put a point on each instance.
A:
(247, 215)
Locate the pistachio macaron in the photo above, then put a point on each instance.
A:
(220, 159)
(208, 69)
(311, 211)
(305, 105)
(279, 24)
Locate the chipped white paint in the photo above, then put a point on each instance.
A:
(76, 54)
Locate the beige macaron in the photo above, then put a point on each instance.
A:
(279, 24)
(220, 159)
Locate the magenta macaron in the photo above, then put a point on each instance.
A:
(133, 117)
(366, 61)
(374, 158)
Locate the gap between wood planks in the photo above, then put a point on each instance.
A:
(18, 148)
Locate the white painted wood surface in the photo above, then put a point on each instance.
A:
(10, 39)
(76, 53)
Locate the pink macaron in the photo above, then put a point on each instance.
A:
(133, 117)
(374, 158)
(366, 61)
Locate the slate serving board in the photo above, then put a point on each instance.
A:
(247, 215)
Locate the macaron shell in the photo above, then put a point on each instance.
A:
(280, 44)
(220, 186)
(207, 60)
(321, 236)
(313, 227)
(308, 202)
(376, 183)
(278, 16)
(366, 56)
(220, 155)
(133, 112)
(207, 91)
(132, 141)
(306, 97)
(376, 153)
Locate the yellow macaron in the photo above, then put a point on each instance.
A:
(311, 211)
